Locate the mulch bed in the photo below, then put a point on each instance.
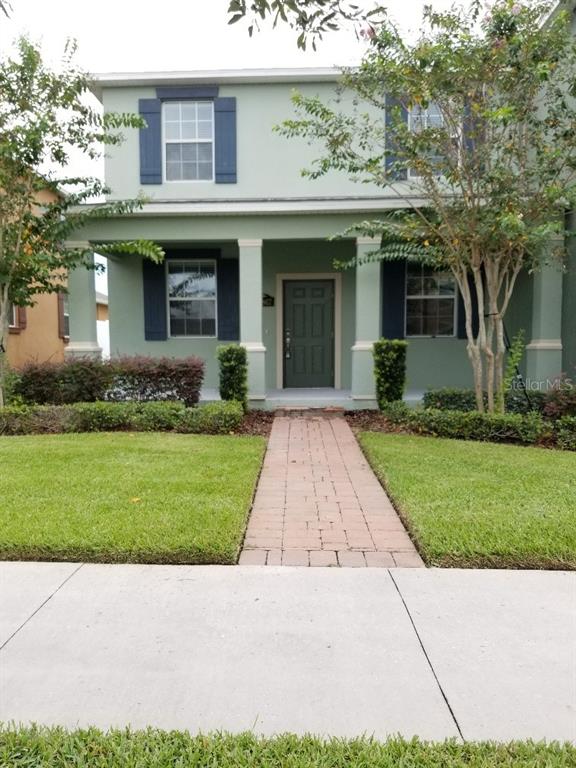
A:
(370, 421)
(256, 423)
(260, 422)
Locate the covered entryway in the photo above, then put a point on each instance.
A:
(308, 333)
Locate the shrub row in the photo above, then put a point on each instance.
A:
(554, 404)
(448, 399)
(121, 379)
(528, 429)
(212, 418)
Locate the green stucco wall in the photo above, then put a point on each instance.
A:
(569, 307)
(268, 165)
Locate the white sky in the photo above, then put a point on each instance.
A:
(144, 35)
(164, 35)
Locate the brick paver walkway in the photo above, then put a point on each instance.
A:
(319, 503)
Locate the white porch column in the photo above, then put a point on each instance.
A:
(544, 353)
(82, 307)
(251, 316)
(368, 322)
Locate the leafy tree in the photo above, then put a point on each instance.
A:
(43, 118)
(312, 18)
(472, 127)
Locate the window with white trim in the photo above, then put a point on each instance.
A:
(188, 140)
(13, 316)
(430, 302)
(420, 118)
(192, 298)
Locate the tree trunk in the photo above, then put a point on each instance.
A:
(499, 364)
(472, 346)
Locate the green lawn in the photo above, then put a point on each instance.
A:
(57, 748)
(121, 497)
(471, 504)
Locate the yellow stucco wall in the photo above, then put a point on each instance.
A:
(40, 339)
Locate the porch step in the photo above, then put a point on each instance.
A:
(308, 410)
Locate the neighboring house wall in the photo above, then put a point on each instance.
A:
(40, 338)
(40, 332)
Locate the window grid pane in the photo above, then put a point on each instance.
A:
(430, 302)
(192, 298)
(189, 141)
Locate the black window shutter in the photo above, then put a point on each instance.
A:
(155, 320)
(225, 139)
(393, 298)
(392, 106)
(461, 319)
(228, 300)
(151, 141)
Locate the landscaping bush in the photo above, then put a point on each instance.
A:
(518, 401)
(233, 362)
(86, 380)
(72, 381)
(390, 370)
(103, 417)
(448, 399)
(36, 420)
(565, 433)
(211, 419)
(560, 400)
(156, 417)
(156, 378)
(470, 425)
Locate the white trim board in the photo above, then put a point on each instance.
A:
(337, 278)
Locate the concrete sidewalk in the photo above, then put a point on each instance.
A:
(437, 653)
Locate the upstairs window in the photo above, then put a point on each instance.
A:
(192, 298)
(188, 139)
(13, 317)
(430, 302)
(422, 118)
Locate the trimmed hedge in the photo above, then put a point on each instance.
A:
(448, 399)
(86, 380)
(233, 361)
(389, 370)
(561, 400)
(212, 418)
(156, 378)
(565, 433)
(470, 425)
(72, 381)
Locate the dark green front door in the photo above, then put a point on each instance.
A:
(308, 333)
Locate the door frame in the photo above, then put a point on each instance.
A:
(336, 278)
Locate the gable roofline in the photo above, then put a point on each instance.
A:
(214, 76)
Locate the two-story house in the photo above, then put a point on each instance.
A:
(249, 257)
